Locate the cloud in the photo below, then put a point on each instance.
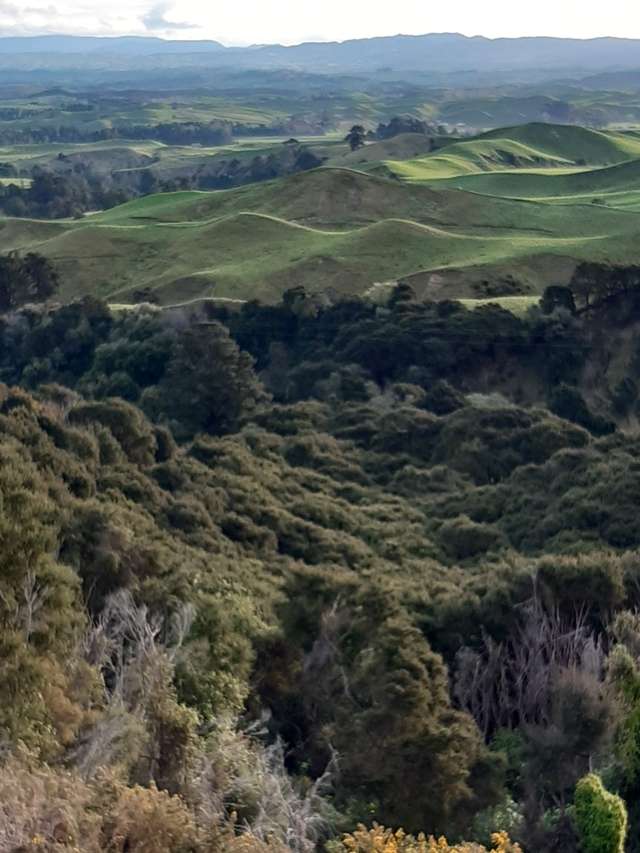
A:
(34, 19)
(86, 17)
(17, 14)
(156, 19)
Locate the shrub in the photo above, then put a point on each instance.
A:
(381, 840)
(593, 581)
(145, 820)
(40, 807)
(624, 395)
(442, 398)
(127, 425)
(601, 817)
(463, 538)
(567, 402)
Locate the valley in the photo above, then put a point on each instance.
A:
(319, 440)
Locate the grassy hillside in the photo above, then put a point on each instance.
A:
(341, 199)
(531, 147)
(472, 213)
(571, 142)
(617, 186)
(478, 155)
(329, 198)
(331, 229)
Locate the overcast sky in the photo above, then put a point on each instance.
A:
(292, 21)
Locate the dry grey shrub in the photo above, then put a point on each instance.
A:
(512, 682)
(238, 777)
(283, 813)
(231, 772)
(136, 654)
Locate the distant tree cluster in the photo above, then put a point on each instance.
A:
(55, 196)
(181, 133)
(406, 124)
(172, 133)
(23, 279)
(70, 189)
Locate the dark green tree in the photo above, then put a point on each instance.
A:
(356, 137)
(210, 383)
(22, 280)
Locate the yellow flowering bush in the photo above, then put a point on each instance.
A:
(381, 840)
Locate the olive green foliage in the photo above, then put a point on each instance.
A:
(397, 704)
(390, 567)
(625, 679)
(39, 611)
(601, 817)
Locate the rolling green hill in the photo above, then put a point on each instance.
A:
(342, 199)
(330, 198)
(329, 229)
(571, 142)
(556, 164)
(532, 147)
(617, 186)
(477, 155)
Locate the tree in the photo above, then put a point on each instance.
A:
(402, 294)
(379, 695)
(356, 137)
(555, 297)
(594, 283)
(42, 277)
(29, 279)
(210, 383)
(403, 124)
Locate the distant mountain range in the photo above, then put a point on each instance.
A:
(121, 46)
(436, 53)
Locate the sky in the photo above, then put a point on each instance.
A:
(243, 22)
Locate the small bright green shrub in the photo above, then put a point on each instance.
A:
(601, 817)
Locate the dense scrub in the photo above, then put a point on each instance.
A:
(270, 574)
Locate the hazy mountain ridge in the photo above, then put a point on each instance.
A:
(433, 52)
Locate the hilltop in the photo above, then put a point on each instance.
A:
(559, 164)
(531, 147)
(333, 230)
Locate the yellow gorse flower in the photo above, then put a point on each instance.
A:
(378, 839)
